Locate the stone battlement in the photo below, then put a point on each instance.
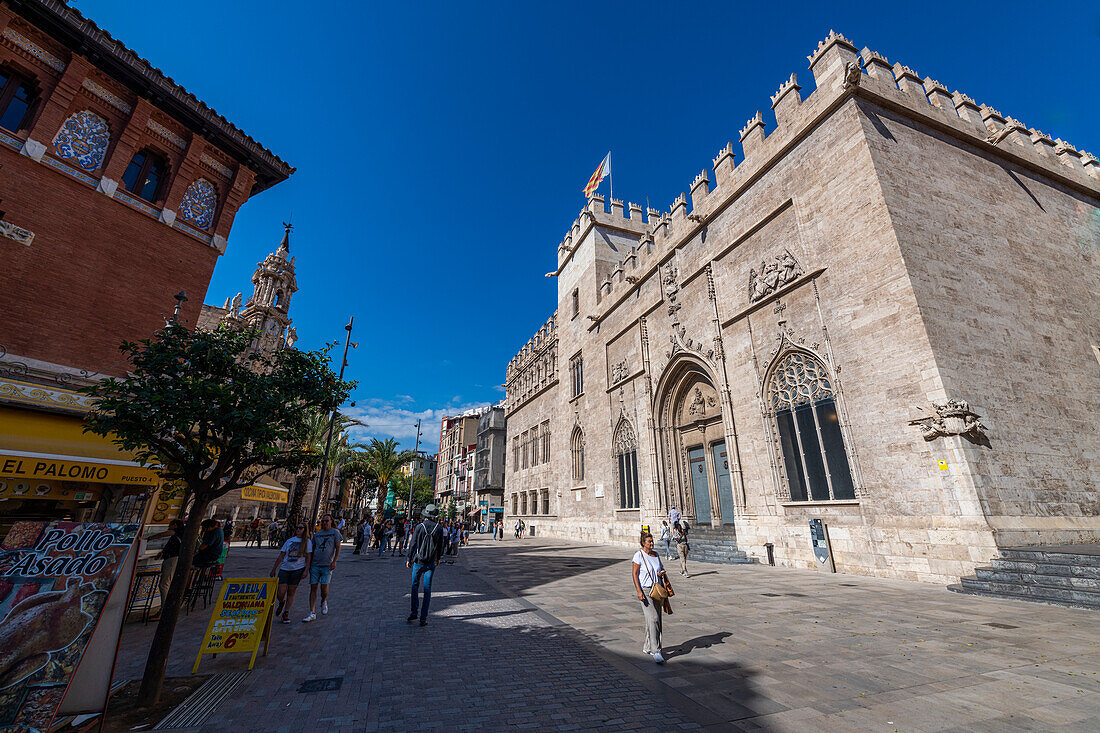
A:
(838, 69)
(546, 334)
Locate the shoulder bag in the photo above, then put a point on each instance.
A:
(657, 592)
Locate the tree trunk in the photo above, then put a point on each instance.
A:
(295, 512)
(380, 507)
(157, 663)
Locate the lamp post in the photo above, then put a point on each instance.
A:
(331, 426)
(412, 474)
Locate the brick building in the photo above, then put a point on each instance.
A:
(883, 317)
(454, 479)
(118, 191)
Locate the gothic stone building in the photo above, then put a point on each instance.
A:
(884, 316)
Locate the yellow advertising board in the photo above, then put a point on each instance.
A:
(264, 493)
(241, 618)
(36, 467)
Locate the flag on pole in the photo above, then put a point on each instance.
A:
(602, 171)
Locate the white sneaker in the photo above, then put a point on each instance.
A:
(686, 575)
(658, 658)
(324, 607)
(310, 617)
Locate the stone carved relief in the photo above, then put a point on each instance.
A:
(699, 405)
(953, 417)
(680, 342)
(619, 372)
(9, 230)
(773, 275)
(672, 291)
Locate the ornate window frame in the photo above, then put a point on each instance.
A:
(625, 450)
(576, 452)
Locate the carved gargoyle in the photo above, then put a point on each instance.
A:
(953, 417)
(852, 74)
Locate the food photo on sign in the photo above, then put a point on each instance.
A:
(55, 579)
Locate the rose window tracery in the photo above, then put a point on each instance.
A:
(798, 380)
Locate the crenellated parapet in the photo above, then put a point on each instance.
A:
(838, 69)
(535, 367)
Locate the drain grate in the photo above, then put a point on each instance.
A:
(996, 625)
(327, 684)
(194, 711)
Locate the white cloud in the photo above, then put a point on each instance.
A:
(387, 418)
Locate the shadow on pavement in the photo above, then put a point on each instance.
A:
(699, 642)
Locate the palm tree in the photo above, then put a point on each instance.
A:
(383, 461)
(313, 441)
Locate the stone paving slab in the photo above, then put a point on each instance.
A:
(778, 649)
(485, 660)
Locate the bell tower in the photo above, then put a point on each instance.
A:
(268, 310)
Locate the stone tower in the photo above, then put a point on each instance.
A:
(267, 311)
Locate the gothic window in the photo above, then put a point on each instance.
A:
(576, 375)
(576, 445)
(523, 502)
(83, 139)
(546, 442)
(16, 99)
(515, 454)
(576, 298)
(626, 455)
(279, 299)
(800, 395)
(546, 501)
(525, 443)
(515, 504)
(145, 175)
(199, 203)
(533, 502)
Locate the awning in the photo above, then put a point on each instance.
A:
(268, 491)
(39, 445)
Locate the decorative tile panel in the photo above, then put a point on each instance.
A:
(11, 140)
(15, 390)
(136, 203)
(107, 96)
(199, 203)
(34, 49)
(216, 165)
(167, 134)
(70, 171)
(83, 139)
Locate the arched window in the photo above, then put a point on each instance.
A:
(145, 175)
(16, 100)
(576, 445)
(278, 298)
(83, 139)
(199, 203)
(801, 395)
(626, 454)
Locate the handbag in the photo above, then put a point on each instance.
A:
(657, 592)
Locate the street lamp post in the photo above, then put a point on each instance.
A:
(412, 474)
(331, 426)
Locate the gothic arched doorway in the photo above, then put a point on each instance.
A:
(696, 466)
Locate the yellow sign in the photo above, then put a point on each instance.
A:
(263, 493)
(31, 468)
(52, 490)
(943, 465)
(241, 618)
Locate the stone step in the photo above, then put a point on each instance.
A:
(1053, 580)
(1046, 568)
(1031, 591)
(1083, 559)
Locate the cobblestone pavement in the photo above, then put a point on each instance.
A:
(763, 648)
(543, 634)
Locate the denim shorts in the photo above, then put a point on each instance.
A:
(319, 574)
(291, 577)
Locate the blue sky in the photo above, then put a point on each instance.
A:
(442, 147)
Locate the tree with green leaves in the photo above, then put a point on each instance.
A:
(205, 410)
(423, 490)
(313, 441)
(383, 461)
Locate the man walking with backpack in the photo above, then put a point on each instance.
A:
(425, 550)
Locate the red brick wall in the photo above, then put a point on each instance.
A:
(97, 272)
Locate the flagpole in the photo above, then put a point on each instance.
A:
(610, 179)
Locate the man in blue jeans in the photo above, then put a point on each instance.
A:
(425, 549)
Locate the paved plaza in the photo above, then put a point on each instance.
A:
(546, 635)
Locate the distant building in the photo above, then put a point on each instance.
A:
(425, 464)
(457, 444)
(489, 460)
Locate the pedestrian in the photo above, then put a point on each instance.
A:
(383, 536)
(673, 516)
(648, 571)
(293, 561)
(210, 545)
(518, 529)
(253, 532)
(377, 532)
(680, 534)
(169, 555)
(360, 536)
(425, 550)
(666, 537)
(326, 551)
(227, 529)
(341, 525)
(500, 530)
(273, 533)
(398, 537)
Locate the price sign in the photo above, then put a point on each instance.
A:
(241, 618)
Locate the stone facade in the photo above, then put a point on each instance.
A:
(883, 317)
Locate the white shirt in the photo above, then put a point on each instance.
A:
(673, 516)
(664, 533)
(648, 568)
(294, 559)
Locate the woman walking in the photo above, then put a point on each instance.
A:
(292, 563)
(648, 571)
(666, 537)
(680, 533)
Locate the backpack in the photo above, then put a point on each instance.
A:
(430, 548)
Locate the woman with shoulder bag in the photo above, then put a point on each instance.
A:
(652, 587)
